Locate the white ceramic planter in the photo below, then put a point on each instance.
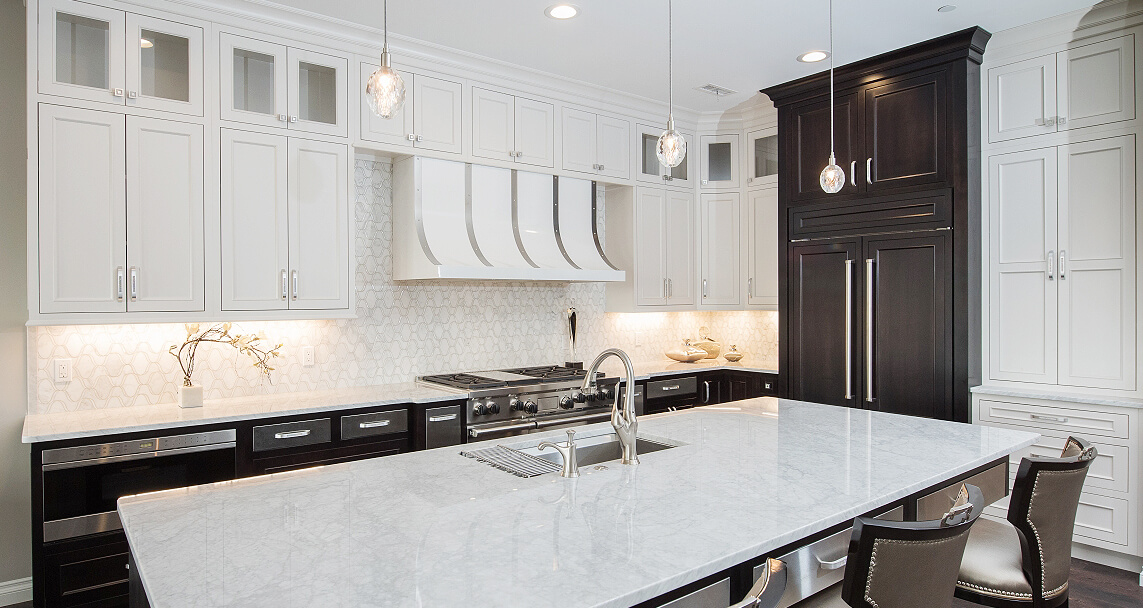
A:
(190, 396)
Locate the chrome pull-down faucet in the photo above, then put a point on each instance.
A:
(622, 419)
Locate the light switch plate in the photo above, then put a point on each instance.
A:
(62, 370)
(307, 356)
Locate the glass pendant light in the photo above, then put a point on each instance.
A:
(672, 147)
(833, 178)
(385, 89)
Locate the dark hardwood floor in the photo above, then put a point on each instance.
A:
(1096, 586)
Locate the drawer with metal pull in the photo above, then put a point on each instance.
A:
(1110, 470)
(291, 434)
(674, 387)
(374, 424)
(1080, 422)
(813, 567)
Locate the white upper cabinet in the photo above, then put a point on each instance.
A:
(82, 211)
(505, 127)
(652, 171)
(762, 158)
(1084, 86)
(394, 130)
(100, 54)
(762, 226)
(165, 216)
(678, 244)
(719, 164)
(721, 247)
(664, 255)
(436, 114)
(319, 225)
(596, 144)
(276, 86)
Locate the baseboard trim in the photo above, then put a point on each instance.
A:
(1106, 557)
(15, 592)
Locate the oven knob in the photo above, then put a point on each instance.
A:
(492, 407)
(607, 393)
(567, 403)
(479, 409)
(531, 407)
(579, 396)
(516, 405)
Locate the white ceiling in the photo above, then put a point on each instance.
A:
(743, 45)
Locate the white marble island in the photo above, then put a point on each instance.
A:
(437, 529)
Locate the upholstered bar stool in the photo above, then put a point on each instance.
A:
(889, 564)
(1024, 562)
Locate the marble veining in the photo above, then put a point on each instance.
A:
(1065, 397)
(436, 529)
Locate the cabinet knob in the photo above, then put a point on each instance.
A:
(117, 92)
(293, 119)
(282, 117)
(412, 137)
(133, 94)
(420, 137)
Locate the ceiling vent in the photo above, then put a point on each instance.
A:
(716, 90)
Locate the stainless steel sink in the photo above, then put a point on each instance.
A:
(594, 450)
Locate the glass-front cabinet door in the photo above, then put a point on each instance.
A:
(164, 65)
(719, 162)
(651, 170)
(81, 51)
(317, 100)
(252, 82)
(762, 157)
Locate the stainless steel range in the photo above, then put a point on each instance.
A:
(523, 400)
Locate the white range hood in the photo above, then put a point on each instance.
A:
(455, 220)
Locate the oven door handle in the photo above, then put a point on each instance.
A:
(57, 466)
(477, 432)
(543, 424)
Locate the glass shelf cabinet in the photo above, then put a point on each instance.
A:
(762, 157)
(650, 170)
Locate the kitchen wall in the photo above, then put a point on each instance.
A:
(402, 330)
(15, 501)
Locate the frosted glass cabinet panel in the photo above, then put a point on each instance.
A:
(652, 171)
(81, 51)
(164, 65)
(317, 97)
(762, 157)
(252, 81)
(719, 161)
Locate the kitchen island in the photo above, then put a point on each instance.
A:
(435, 528)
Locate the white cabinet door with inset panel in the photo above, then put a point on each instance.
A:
(319, 225)
(1022, 99)
(165, 216)
(1022, 245)
(762, 226)
(679, 243)
(80, 51)
(255, 225)
(579, 141)
(721, 250)
(535, 132)
(1096, 83)
(317, 92)
(164, 65)
(436, 114)
(82, 211)
(493, 125)
(394, 130)
(253, 78)
(613, 142)
(1096, 268)
(650, 248)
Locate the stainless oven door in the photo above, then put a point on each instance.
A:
(83, 484)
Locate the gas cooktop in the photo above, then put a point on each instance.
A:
(522, 376)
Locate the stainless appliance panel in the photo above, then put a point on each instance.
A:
(374, 424)
(993, 483)
(812, 567)
(73, 527)
(715, 595)
(292, 434)
(443, 427)
(137, 446)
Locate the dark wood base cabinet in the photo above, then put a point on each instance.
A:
(879, 304)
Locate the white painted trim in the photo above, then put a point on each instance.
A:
(1113, 559)
(15, 592)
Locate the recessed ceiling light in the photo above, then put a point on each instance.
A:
(146, 44)
(948, 8)
(561, 11)
(813, 56)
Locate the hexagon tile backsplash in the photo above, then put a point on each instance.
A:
(402, 330)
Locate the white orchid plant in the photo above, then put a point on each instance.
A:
(252, 345)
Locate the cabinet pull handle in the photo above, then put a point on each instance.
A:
(134, 283)
(420, 138)
(132, 94)
(1052, 265)
(374, 424)
(293, 119)
(1062, 121)
(284, 287)
(750, 288)
(704, 288)
(117, 92)
(671, 288)
(292, 434)
(412, 137)
(869, 170)
(834, 565)
(294, 276)
(442, 418)
(853, 172)
(1063, 256)
(849, 264)
(869, 330)
(665, 293)
(119, 283)
(673, 387)
(283, 117)
(1048, 418)
(706, 385)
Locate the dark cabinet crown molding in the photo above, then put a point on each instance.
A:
(965, 44)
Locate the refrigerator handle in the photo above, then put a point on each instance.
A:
(869, 330)
(849, 328)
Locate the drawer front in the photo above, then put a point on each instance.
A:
(993, 483)
(443, 427)
(898, 211)
(374, 424)
(291, 434)
(1103, 518)
(715, 595)
(814, 567)
(675, 387)
(1111, 469)
(1069, 420)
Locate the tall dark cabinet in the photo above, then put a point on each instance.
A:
(879, 302)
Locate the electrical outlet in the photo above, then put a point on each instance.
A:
(638, 338)
(61, 370)
(307, 356)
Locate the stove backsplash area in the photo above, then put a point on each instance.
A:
(402, 330)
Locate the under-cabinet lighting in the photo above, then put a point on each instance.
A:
(813, 56)
(561, 11)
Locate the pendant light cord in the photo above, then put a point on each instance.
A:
(832, 109)
(385, 20)
(671, 60)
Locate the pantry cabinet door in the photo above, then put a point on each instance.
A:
(255, 223)
(437, 114)
(396, 129)
(535, 132)
(493, 125)
(319, 225)
(80, 51)
(253, 81)
(1022, 99)
(1096, 267)
(82, 211)
(721, 217)
(1097, 83)
(164, 65)
(165, 216)
(1021, 266)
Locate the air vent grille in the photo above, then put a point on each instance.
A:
(716, 90)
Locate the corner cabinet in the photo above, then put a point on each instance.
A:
(430, 118)
(596, 144)
(285, 223)
(120, 213)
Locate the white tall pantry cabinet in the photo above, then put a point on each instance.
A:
(1062, 317)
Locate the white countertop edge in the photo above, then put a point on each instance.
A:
(1004, 391)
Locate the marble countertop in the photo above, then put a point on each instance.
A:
(434, 528)
(94, 423)
(1053, 396)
